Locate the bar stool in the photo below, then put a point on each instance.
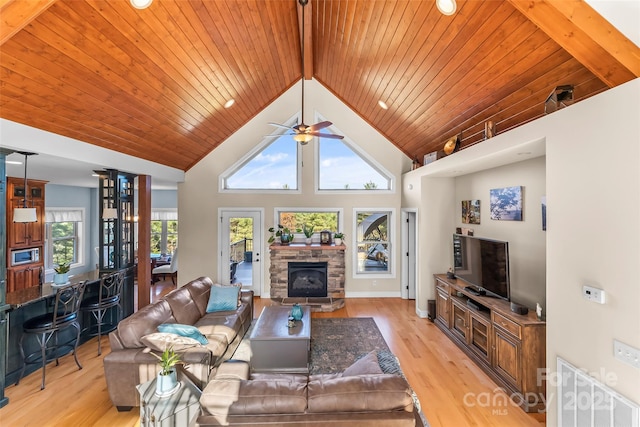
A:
(47, 326)
(109, 296)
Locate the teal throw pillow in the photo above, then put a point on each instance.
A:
(184, 331)
(223, 298)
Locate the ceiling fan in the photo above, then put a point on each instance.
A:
(301, 132)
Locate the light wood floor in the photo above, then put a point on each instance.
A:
(451, 389)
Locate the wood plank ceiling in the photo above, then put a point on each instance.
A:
(152, 83)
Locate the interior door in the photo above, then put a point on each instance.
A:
(409, 252)
(241, 248)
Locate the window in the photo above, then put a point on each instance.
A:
(319, 219)
(341, 166)
(64, 243)
(273, 165)
(164, 231)
(373, 240)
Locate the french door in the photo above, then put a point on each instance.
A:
(240, 238)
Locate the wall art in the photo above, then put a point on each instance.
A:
(505, 203)
(471, 211)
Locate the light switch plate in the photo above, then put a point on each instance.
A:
(626, 353)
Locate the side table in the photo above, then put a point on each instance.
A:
(177, 410)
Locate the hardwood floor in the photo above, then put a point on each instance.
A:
(451, 389)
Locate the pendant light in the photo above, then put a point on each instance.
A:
(24, 213)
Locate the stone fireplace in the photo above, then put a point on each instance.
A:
(312, 259)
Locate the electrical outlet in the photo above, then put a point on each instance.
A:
(626, 353)
(593, 294)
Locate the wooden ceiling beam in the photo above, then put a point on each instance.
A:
(587, 36)
(306, 39)
(17, 14)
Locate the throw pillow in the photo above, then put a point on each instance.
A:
(183, 330)
(223, 298)
(368, 365)
(160, 341)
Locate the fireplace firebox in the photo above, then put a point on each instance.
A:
(307, 279)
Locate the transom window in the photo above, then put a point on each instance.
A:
(373, 240)
(341, 166)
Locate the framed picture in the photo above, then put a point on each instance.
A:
(471, 211)
(505, 203)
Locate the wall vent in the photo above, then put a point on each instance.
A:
(584, 401)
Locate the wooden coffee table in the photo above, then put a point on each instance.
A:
(277, 348)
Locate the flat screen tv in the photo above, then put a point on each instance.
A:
(483, 264)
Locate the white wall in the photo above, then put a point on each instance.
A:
(199, 197)
(593, 232)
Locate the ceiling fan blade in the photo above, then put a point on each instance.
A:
(319, 126)
(280, 126)
(327, 135)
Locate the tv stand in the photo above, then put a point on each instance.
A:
(508, 347)
(474, 291)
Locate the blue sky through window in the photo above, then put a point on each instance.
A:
(272, 168)
(341, 168)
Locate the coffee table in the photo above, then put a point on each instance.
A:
(277, 348)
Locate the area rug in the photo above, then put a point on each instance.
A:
(338, 342)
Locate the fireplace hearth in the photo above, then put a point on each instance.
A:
(307, 279)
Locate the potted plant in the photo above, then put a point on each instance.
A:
(167, 380)
(337, 238)
(61, 275)
(308, 233)
(283, 232)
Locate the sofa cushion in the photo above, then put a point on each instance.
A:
(223, 298)
(225, 323)
(145, 321)
(217, 344)
(367, 365)
(183, 330)
(183, 306)
(384, 392)
(199, 290)
(162, 340)
(272, 394)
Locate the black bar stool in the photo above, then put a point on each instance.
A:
(47, 326)
(109, 296)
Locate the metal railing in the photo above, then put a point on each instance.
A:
(242, 250)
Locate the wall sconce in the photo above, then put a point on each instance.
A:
(110, 213)
(25, 214)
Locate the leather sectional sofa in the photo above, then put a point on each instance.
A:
(236, 397)
(130, 363)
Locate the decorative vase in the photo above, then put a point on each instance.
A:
(296, 312)
(285, 238)
(338, 241)
(308, 240)
(60, 278)
(166, 384)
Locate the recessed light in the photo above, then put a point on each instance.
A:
(383, 105)
(141, 4)
(446, 7)
(229, 103)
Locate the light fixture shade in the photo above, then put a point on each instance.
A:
(303, 137)
(24, 215)
(141, 4)
(110, 213)
(446, 7)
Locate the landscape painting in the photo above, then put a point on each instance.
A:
(505, 203)
(471, 211)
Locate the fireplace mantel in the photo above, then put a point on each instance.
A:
(334, 255)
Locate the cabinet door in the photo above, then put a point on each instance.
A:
(35, 230)
(442, 306)
(507, 357)
(23, 278)
(459, 319)
(25, 234)
(480, 335)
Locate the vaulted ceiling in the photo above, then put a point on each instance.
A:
(152, 83)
